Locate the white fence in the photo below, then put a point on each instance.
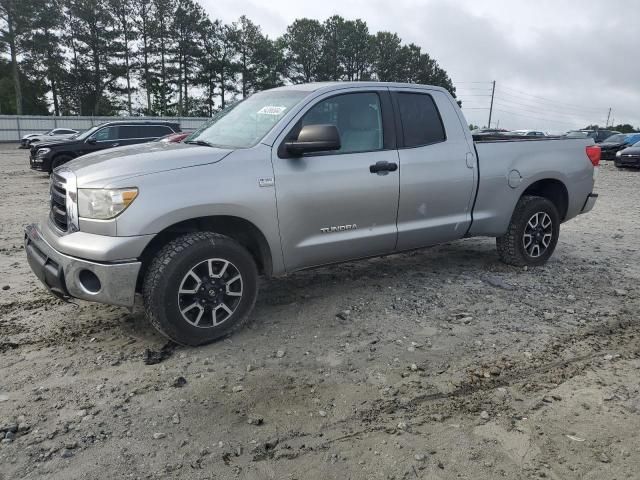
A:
(14, 127)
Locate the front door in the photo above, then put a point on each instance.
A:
(340, 205)
(106, 137)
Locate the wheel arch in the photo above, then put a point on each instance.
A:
(553, 190)
(237, 228)
(57, 155)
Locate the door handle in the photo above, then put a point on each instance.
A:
(470, 160)
(383, 167)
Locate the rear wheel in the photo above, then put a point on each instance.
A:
(533, 233)
(200, 287)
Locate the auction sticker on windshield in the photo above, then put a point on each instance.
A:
(271, 110)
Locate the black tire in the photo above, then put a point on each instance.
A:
(59, 160)
(172, 267)
(512, 246)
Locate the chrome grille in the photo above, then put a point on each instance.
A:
(58, 192)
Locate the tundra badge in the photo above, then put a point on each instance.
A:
(339, 228)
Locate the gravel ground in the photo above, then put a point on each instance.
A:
(438, 364)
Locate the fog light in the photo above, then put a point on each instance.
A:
(89, 281)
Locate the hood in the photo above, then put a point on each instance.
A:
(56, 142)
(631, 151)
(105, 168)
(31, 135)
(608, 145)
(52, 138)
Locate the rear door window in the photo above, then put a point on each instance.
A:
(421, 123)
(157, 131)
(143, 132)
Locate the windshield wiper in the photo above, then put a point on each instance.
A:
(204, 143)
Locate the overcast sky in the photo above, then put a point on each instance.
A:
(557, 64)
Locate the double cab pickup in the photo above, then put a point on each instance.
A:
(292, 178)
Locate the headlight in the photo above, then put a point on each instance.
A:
(42, 152)
(104, 204)
(619, 153)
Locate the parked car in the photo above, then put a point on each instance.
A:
(174, 137)
(528, 133)
(24, 141)
(597, 135)
(53, 135)
(46, 156)
(617, 142)
(362, 169)
(488, 131)
(628, 157)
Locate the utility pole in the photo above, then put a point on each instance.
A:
(493, 91)
(608, 115)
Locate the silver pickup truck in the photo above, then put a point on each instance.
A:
(292, 178)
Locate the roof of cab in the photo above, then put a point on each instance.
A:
(328, 86)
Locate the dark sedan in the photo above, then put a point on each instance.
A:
(617, 142)
(628, 157)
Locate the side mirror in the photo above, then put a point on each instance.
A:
(315, 138)
(91, 141)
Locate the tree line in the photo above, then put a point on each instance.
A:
(169, 57)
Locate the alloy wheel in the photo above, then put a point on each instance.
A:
(210, 293)
(538, 234)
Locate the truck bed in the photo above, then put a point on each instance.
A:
(508, 166)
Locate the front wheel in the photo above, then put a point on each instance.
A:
(533, 233)
(60, 160)
(200, 287)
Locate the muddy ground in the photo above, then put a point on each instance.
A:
(440, 364)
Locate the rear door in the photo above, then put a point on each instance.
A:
(339, 205)
(437, 169)
(133, 134)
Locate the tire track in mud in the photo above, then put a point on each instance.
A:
(470, 395)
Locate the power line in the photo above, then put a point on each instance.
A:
(531, 109)
(548, 106)
(547, 99)
(535, 118)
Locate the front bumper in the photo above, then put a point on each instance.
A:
(608, 154)
(40, 164)
(627, 161)
(66, 276)
(589, 203)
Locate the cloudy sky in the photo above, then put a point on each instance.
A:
(558, 64)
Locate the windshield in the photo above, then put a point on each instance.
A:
(618, 138)
(87, 133)
(244, 124)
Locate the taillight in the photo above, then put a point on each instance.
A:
(593, 152)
